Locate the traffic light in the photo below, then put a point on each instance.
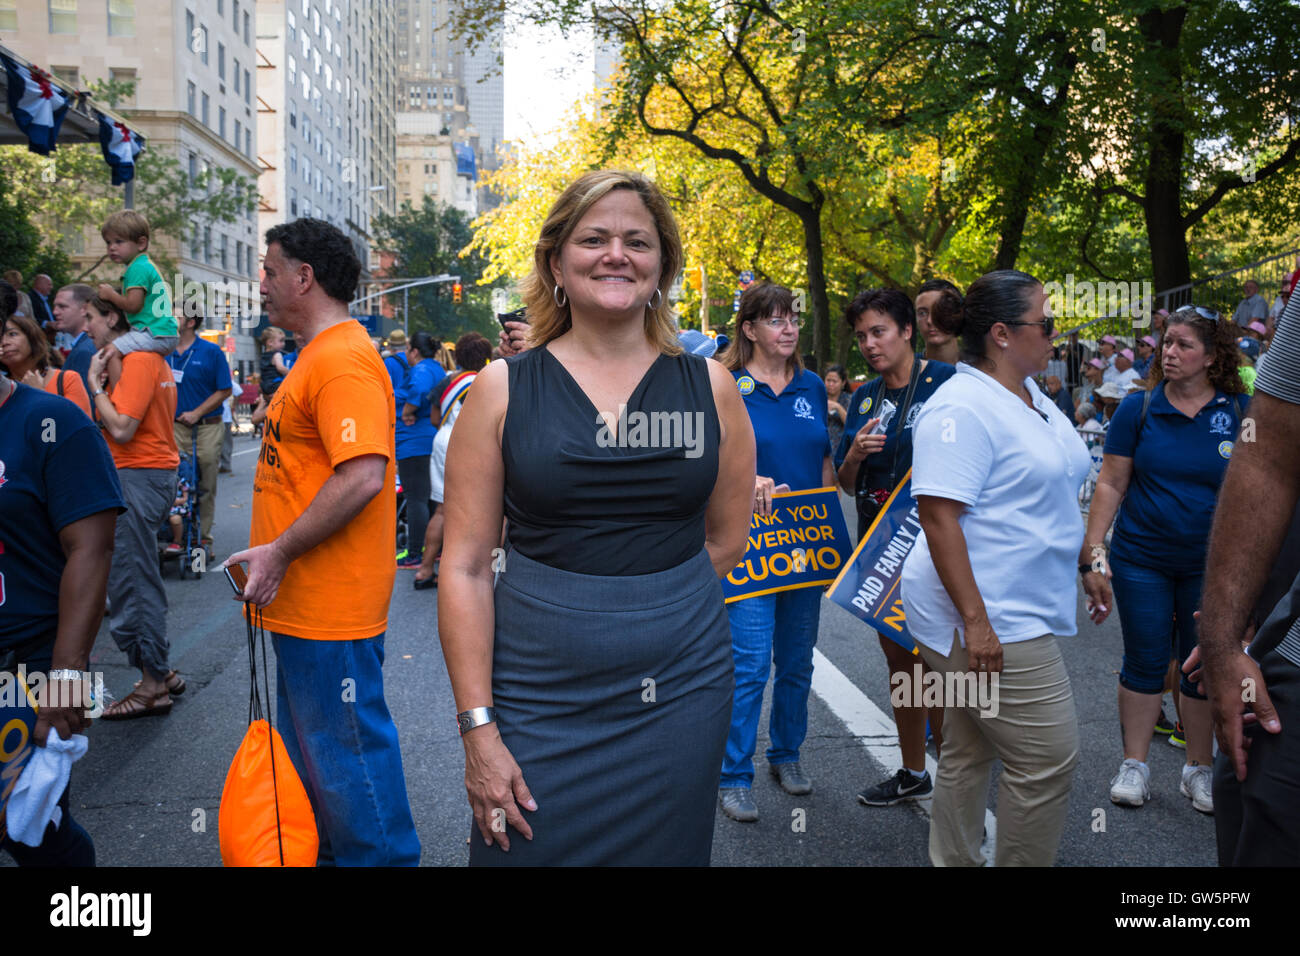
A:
(455, 292)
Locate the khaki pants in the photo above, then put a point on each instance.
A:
(1036, 736)
(209, 438)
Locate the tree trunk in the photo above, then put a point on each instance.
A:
(821, 309)
(1166, 230)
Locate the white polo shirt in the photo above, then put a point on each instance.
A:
(1018, 474)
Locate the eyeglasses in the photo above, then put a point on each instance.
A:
(780, 323)
(1048, 324)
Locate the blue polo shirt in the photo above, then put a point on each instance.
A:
(416, 440)
(1178, 465)
(789, 429)
(397, 369)
(199, 371)
(45, 485)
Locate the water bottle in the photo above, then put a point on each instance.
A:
(887, 411)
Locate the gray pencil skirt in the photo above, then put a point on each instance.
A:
(613, 694)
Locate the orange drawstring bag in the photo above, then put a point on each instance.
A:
(265, 817)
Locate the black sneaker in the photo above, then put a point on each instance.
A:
(1164, 726)
(901, 786)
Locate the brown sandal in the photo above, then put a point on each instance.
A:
(136, 704)
(175, 684)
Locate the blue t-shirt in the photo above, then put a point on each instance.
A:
(789, 429)
(1178, 465)
(415, 440)
(199, 371)
(864, 405)
(55, 468)
(397, 369)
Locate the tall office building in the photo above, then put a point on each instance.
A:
(326, 91)
(192, 63)
(438, 75)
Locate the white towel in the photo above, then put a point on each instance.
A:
(34, 802)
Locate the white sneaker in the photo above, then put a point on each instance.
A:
(1131, 786)
(1197, 785)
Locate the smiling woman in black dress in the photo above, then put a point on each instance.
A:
(604, 649)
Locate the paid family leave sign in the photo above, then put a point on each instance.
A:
(803, 543)
(868, 586)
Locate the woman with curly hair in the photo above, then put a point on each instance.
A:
(1166, 451)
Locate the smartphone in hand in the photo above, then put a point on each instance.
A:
(237, 577)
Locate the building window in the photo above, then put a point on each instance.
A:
(189, 29)
(121, 18)
(293, 158)
(293, 28)
(235, 69)
(194, 169)
(293, 71)
(239, 256)
(293, 114)
(203, 48)
(8, 14)
(221, 121)
(248, 89)
(246, 34)
(68, 74)
(221, 61)
(239, 135)
(293, 202)
(63, 16)
(248, 143)
(235, 14)
(191, 94)
(124, 76)
(225, 245)
(206, 103)
(221, 7)
(207, 244)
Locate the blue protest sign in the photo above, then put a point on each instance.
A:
(801, 544)
(868, 587)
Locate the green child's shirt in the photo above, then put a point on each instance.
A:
(156, 313)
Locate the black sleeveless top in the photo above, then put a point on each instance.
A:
(582, 498)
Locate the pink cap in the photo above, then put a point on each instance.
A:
(1258, 326)
(1162, 311)
(1097, 363)
(1127, 353)
(1148, 340)
(1109, 338)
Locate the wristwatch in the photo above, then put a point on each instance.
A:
(475, 717)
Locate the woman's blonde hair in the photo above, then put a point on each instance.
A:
(549, 321)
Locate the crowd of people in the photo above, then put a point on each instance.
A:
(608, 698)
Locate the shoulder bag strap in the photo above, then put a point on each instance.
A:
(59, 380)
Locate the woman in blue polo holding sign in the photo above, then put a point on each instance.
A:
(1166, 452)
(787, 407)
(871, 462)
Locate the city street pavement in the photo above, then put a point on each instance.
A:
(148, 791)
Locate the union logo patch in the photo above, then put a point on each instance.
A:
(1225, 449)
(866, 404)
(745, 384)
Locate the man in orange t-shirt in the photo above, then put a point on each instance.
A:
(136, 415)
(320, 561)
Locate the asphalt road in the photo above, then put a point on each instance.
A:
(149, 790)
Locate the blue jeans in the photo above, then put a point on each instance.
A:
(780, 628)
(331, 713)
(1155, 608)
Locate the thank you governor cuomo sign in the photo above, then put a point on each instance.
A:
(803, 543)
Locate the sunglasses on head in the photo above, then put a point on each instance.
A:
(1208, 314)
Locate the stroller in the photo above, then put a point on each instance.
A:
(188, 473)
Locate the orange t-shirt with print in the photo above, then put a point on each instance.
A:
(335, 404)
(146, 392)
(74, 390)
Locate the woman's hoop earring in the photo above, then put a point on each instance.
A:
(555, 294)
(653, 304)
